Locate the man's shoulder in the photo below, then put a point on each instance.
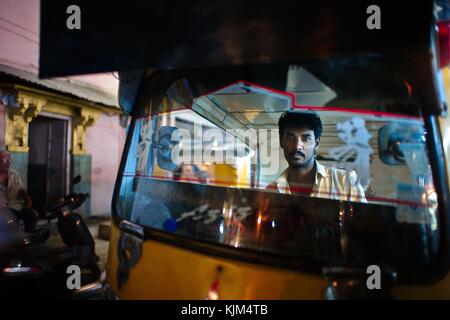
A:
(325, 170)
(343, 174)
(337, 171)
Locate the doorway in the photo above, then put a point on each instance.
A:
(48, 160)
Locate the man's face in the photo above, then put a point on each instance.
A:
(5, 161)
(298, 146)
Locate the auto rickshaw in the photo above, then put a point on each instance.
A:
(205, 85)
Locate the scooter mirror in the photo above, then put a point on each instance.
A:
(168, 138)
(399, 144)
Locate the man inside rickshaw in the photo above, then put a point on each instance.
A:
(299, 138)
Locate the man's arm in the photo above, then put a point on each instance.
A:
(20, 199)
(24, 195)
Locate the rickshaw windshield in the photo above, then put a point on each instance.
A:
(324, 160)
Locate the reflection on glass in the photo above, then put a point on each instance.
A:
(324, 183)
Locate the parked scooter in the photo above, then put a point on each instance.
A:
(41, 269)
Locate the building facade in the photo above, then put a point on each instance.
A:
(56, 130)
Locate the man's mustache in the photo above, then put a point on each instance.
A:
(297, 153)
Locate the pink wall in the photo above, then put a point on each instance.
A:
(2, 125)
(19, 33)
(19, 41)
(105, 142)
(19, 48)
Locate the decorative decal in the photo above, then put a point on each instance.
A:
(356, 137)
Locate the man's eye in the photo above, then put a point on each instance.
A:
(290, 138)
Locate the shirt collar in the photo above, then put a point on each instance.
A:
(282, 181)
(320, 169)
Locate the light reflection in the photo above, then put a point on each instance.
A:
(237, 238)
(341, 215)
(350, 211)
(213, 295)
(227, 211)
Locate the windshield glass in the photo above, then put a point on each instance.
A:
(322, 160)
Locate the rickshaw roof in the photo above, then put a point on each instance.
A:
(131, 35)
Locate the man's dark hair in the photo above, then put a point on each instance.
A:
(310, 120)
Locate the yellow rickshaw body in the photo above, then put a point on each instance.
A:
(166, 272)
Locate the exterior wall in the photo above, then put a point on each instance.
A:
(20, 164)
(19, 48)
(82, 165)
(19, 159)
(19, 34)
(2, 125)
(19, 41)
(105, 141)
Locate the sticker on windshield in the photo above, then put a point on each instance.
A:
(356, 137)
